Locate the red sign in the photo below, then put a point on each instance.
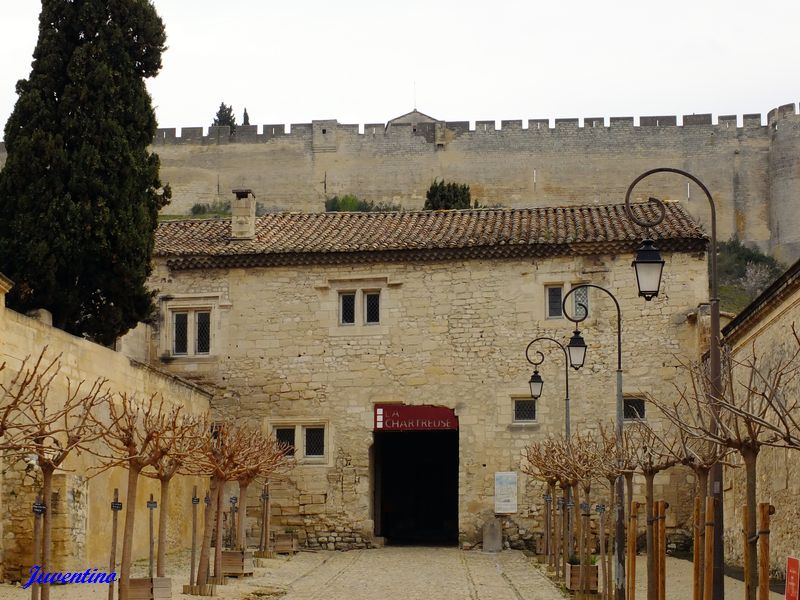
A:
(401, 417)
(792, 578)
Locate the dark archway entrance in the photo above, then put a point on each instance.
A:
(416, 479)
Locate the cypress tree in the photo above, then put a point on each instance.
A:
(80, 193)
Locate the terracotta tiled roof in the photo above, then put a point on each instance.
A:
(313, 238)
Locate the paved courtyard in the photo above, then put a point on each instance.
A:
(392, 573)
(423, 573)
(385, 574)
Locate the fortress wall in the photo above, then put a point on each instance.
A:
(784, 183)
(752, 170)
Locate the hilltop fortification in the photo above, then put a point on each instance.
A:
(752, 169)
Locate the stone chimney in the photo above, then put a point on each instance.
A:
(243, 215)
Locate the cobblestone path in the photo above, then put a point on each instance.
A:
(420, 574)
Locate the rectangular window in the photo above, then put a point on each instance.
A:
(285, 435)
(581, 297)
(202, 332)
(372, 308)
(524, 411)
(633, 409)
(315, 441)
(180, 336)
(553, 301)
(347, 308)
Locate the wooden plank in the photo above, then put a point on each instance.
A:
(708, 566)
(764, 511)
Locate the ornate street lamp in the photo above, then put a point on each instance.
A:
(536, 384)
(648, 265)
(713, 347)
(577, 349)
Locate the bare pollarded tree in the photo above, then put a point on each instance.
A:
(699, 454)
(538, 465)
(46, 429)
(757, 408)
(651, 454)
(230, 452)
(581, 460)
(137, 433)
(174, 454)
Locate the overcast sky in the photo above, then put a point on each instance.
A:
(360, 60)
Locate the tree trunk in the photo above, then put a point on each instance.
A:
(612, 534)
(652, 588)
(585, 542)
(127, 537)
(218, 541)
(564, 533)
(47, 525)
(750, 456)
(241, 536)
(629, 491)
(208, 528)
(161, 561)
(702, 493)
(575, 530)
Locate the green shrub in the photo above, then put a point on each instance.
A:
(351, 203)
(446, 196)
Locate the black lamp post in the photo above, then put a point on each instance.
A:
(537, 383)
(577, 349)
(641, 266)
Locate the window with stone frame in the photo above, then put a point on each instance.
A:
(347, 308)
(308, 441)
(580, 297)
(191, 332)
(633, 409)
(285, 435)
(524, 410)
(372, 308)
(553, 295)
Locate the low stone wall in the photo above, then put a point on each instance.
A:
(81, 496)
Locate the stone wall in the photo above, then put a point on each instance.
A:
(81, 506)
(451, 334)
(778, 474)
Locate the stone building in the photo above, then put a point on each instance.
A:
(765, 327)
(388, 349)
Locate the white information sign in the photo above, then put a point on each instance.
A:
(505, 492)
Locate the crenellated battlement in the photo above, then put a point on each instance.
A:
(319, 131)
(751, 162)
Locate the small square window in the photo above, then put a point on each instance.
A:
(285, 435)
(315, 441)
(581, 297)
(524, 411)
(553, 301)
(633, 409)
(180, 337)
(372, 308)
(347, 308)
